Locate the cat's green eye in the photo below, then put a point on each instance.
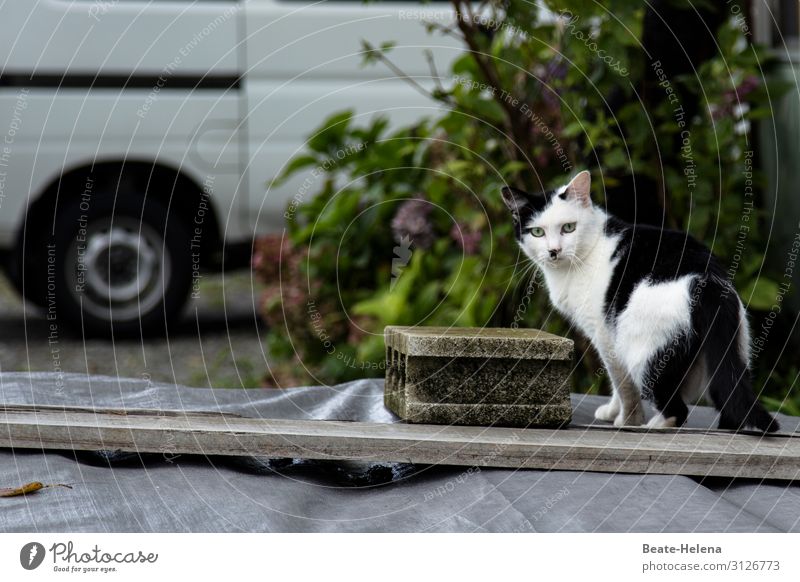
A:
(568, 227)
(536, 231)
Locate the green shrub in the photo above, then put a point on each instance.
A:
(407, 226)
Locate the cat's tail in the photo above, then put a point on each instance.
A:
(726, 352)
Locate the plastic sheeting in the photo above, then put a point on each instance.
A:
(167, 493)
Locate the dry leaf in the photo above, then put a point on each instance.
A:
(28, 488)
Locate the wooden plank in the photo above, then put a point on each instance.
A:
(667, 451)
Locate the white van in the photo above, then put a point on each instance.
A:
(138, 137)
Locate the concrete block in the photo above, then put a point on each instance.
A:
(478, 376)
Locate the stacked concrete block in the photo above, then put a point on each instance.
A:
(478, 376)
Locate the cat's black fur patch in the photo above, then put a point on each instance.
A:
(527, 205)
(649, 253)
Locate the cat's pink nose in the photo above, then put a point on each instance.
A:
(554, 253)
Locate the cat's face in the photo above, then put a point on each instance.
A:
(554, 228)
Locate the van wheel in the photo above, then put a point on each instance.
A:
(121, 268)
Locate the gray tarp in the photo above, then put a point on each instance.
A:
(126, 493)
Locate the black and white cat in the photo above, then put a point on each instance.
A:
(655, 304)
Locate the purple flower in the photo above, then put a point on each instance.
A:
(468, 239)
(554, 72)
(411, 220)
(556, 69)
(747, 86)
(732, 98)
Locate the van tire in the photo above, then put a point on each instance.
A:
(119, 266)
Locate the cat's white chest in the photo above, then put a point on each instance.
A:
(581, 294)
(580, 298)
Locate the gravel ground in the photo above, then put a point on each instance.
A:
(218, 343)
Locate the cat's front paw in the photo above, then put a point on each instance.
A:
(658, 421)
(607, 412)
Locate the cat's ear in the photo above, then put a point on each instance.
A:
(579, 189)
(516, 200)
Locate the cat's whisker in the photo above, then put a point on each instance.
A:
(580, 263)
(517, 265)
(523, 277)
(531, 272)
(525, 269)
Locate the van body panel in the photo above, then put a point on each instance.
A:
(127, 37)
(60, 130)
(304, 62)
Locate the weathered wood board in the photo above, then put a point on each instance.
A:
(668, 451)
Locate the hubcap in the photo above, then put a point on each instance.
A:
(121, 268)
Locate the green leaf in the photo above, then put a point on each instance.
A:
(296, 164)
(574, 129)
(512, 168)
(332, 133)
(760, 293)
